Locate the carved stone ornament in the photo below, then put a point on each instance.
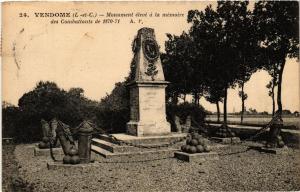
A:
(150, 49)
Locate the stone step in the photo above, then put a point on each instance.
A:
(144, 140)
(105, 138)
(159, 153)
(101, 151)
(123, 148)
(109, 146)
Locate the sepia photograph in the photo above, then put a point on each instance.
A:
(150, 96)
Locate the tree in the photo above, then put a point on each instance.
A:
(278, 34)
(179, 66)
(114, 109)
(247, 53)
(214, 95)
(10, 117)
(48, 101)
(271, 88)
(219, 35)
(243, 97)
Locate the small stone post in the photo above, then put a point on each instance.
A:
(84, 142)
(177, 124)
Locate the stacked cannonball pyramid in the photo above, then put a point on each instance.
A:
(72, 156)
(195, 143)
(224, 132)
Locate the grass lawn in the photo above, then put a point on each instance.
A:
(258, 120)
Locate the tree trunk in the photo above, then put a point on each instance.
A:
(243, 104)
(196, 98)
(218, 111)
(273, 99)
(279, 104)
(184, 97)
(275, 129)
(175, 98)
(225, 109)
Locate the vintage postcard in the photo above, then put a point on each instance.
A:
(150, 96)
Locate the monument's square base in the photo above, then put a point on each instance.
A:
(131, 147)
(148, 109)
(141, 129)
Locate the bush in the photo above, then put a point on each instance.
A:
(183, 110)
(10, 115)
(114, 110)
(47, 101)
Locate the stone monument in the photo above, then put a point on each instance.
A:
(148, 134)
(147, 90)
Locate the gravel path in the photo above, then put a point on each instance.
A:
(9, 167)
(237, 169)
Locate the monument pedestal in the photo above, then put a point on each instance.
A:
(147, 109)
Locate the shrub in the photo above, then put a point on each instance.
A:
(47, 101)
(10, 115)
(183, 110)
(114, 111)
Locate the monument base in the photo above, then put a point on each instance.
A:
(148, 109)
(131, 147)
(148, 128)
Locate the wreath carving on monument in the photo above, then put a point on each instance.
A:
(150, 49)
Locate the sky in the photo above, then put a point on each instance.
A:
(96, 56)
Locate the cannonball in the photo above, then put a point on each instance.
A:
(188, 141)
(193, 149)
(195, 135)
(194, 142)
(75, 159)
(73, 151)
(188, 148)
(201, 141)
(42, 145)
(45, 139)
(200, 148)
(207, 148)
(281, 144)
(204, 141)
(183, 148)
(279, 138)
(67, 159)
